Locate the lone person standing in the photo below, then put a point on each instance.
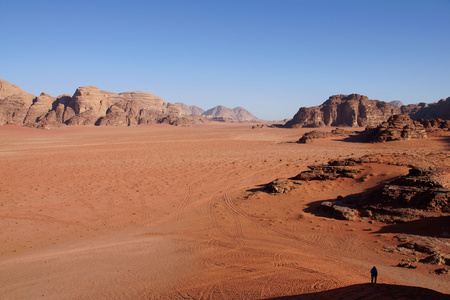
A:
(374, 274)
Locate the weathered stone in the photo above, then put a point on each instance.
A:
(338, 211)
(421, 246)
(316, 134)
(440, 109)
(397, 127)
(327, 172)
(407, 263)
(39, 109)
(435, 259)
(14, 103)
(279, 186)
(442, 271)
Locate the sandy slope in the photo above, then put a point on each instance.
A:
(160, 212)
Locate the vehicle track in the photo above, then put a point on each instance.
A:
(100, 217)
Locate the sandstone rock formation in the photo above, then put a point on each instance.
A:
(440, 109)
(405, 198)
(14, 103)
(39, 109)
(422, 189)
(279, 186)
(358, 111)
(332, 171)
(90, 106)
(237, 114)
(398, 127)
(344, 110)
(135, 108)
(315, 134)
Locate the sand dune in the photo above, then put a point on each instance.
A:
(158, 212)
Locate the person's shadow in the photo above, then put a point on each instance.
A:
(372, 291)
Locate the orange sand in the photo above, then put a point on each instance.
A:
(160, 212)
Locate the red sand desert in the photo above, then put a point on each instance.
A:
(163, 212)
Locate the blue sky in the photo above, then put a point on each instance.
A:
(270, 57)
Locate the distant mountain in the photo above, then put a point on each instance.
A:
(190, 109)
(397, 103)
(237, 114)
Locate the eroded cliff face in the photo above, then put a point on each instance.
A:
(87, 106)
(14, 103)
(345, 110)
(437, 110)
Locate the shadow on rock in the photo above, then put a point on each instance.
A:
(434, 226)
(373, 291)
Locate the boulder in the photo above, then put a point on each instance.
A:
(407, 263)
(435, 259)
(339, 211)
(279, 186)
(442, 271)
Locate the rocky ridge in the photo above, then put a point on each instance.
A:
(420, 197)
(356, 110)
(91, 106)
(397, 127)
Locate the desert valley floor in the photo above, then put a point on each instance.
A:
(164, 212)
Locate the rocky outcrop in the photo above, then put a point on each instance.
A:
(339, 211)
(406, 198)
(190, 109)
(433, 124)
(437, 110)
(422, 189)
(39, 109)
(87, 106)
(237, 114)
(359, 111)
(332, 171)
(344, 110)
(90, 106)
(398, 127)
(315, 134)
(135, 108)
(14, 103)
(279, 186)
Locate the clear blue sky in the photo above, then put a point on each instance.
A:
(270, 57)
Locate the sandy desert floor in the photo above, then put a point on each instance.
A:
(163, 212)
